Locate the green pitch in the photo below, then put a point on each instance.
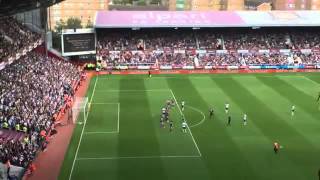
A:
(122, 138)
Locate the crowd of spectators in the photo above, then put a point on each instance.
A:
(6, 48)
(20, 152)
(14, 37)
(306, 39)
(176, 59)
(255, 40)
(150, 42)
(141, 40)
(219, 59)
(208, 40)
(33, 90)
(235, 59)
(129, 58)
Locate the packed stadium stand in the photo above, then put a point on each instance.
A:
(29, 106)
(34, 91)
(15, 38)
(220, 47)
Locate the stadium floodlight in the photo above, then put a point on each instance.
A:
(80, 110)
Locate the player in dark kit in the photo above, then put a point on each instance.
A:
(229, 120)
(172, 102)
(211, 112)
(149, 72)
(276, 147)
(318, 97)
(171, 126)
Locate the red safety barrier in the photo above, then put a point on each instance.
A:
(211, 71)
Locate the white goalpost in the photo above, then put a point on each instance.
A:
(80, 109)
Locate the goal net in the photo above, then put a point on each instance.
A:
(80, 109)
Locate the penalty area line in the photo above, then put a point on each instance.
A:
(104, 103)
(135, 157)
(134, 90)
(101, 132)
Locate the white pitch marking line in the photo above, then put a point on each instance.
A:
(135, 157)
(101, 132)
(85, 122)
(221, 77)
(194, 141)
(203, 119)
(105, 103)
(133, 90)
(118, 130)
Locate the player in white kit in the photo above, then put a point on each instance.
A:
(184, 127)
(245, 119)
(293, 109)
(182, 105)
(226, 107)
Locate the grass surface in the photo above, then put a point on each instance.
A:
(122, 138)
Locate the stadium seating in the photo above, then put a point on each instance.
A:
(6, 48)
(150, 40)
(305, 39)
(14, 37)
(33, 90)
(237, 46)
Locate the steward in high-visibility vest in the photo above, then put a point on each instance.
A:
(17, 127)
(5, 125)
(25, 129)
(26, 140)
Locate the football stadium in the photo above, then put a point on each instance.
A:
(160, 90)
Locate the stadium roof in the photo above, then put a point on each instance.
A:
(9, 7)
(148, 19)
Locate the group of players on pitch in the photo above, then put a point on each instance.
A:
(165, 112)
(276, 145)
(227, 106)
